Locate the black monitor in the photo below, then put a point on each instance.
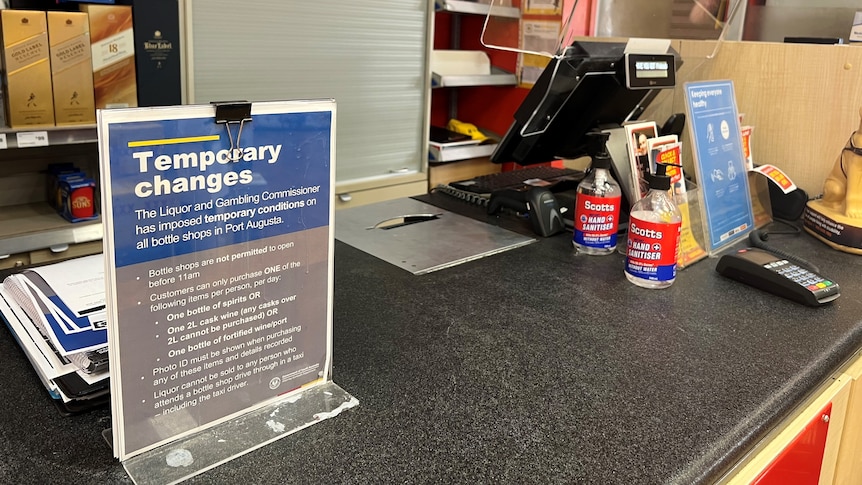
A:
(582, 90)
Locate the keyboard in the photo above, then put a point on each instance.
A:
(538, 176)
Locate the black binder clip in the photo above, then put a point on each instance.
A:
(236, 112)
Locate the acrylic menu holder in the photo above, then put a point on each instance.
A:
(691, 244)
(219, 245)
(692, 238)
(761, 204)
(186, 457)
(725, 197)
(544, 29)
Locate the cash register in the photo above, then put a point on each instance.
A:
(592, 85)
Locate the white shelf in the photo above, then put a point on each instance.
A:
(463, 6)
(439, 153)
(49, 136)
(472, 76)
(36, 226)
(498, 77)
(27, 227)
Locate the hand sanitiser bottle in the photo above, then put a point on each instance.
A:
(597, 204)
(653, 236)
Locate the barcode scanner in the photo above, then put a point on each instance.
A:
(537, 202)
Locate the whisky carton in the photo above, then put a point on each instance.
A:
(113, 52)
(157, 52)
(27, 68)
(71, 68)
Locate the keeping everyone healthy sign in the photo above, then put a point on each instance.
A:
(218, 248)
(720, 162)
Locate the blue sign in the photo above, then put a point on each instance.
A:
(219, 244)
(721, 171)
(177, 187)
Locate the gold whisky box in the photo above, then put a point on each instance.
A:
(113, 51)
(27, 68)
(71, 68)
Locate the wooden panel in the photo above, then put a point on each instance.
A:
(463, 170)
(74, 251)
(802, 99)
(836, 393)
(47, 256)
(379, 183)
(15, 261)
(849, 464)
(362, 197)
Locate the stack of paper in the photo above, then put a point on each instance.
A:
(57, 314)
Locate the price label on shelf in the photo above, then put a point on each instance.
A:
(32, 139)
(3, 145)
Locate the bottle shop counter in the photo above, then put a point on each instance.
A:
(532, 365)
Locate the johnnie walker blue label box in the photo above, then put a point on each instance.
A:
(157, 52)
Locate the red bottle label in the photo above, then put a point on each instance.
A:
(652, 250)
(596, 221)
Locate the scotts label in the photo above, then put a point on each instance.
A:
(596, 221)
(652, 249)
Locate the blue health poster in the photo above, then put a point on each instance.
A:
(720, 162)
(218, 250)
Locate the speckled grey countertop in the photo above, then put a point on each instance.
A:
(533, 365)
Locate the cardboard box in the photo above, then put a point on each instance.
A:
(71, 68)
(27, 69)
(77, 199)
(113, 52)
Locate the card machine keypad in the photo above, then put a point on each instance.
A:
(800, 275)
(764, 270)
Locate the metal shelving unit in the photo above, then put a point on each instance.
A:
(497, 77)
